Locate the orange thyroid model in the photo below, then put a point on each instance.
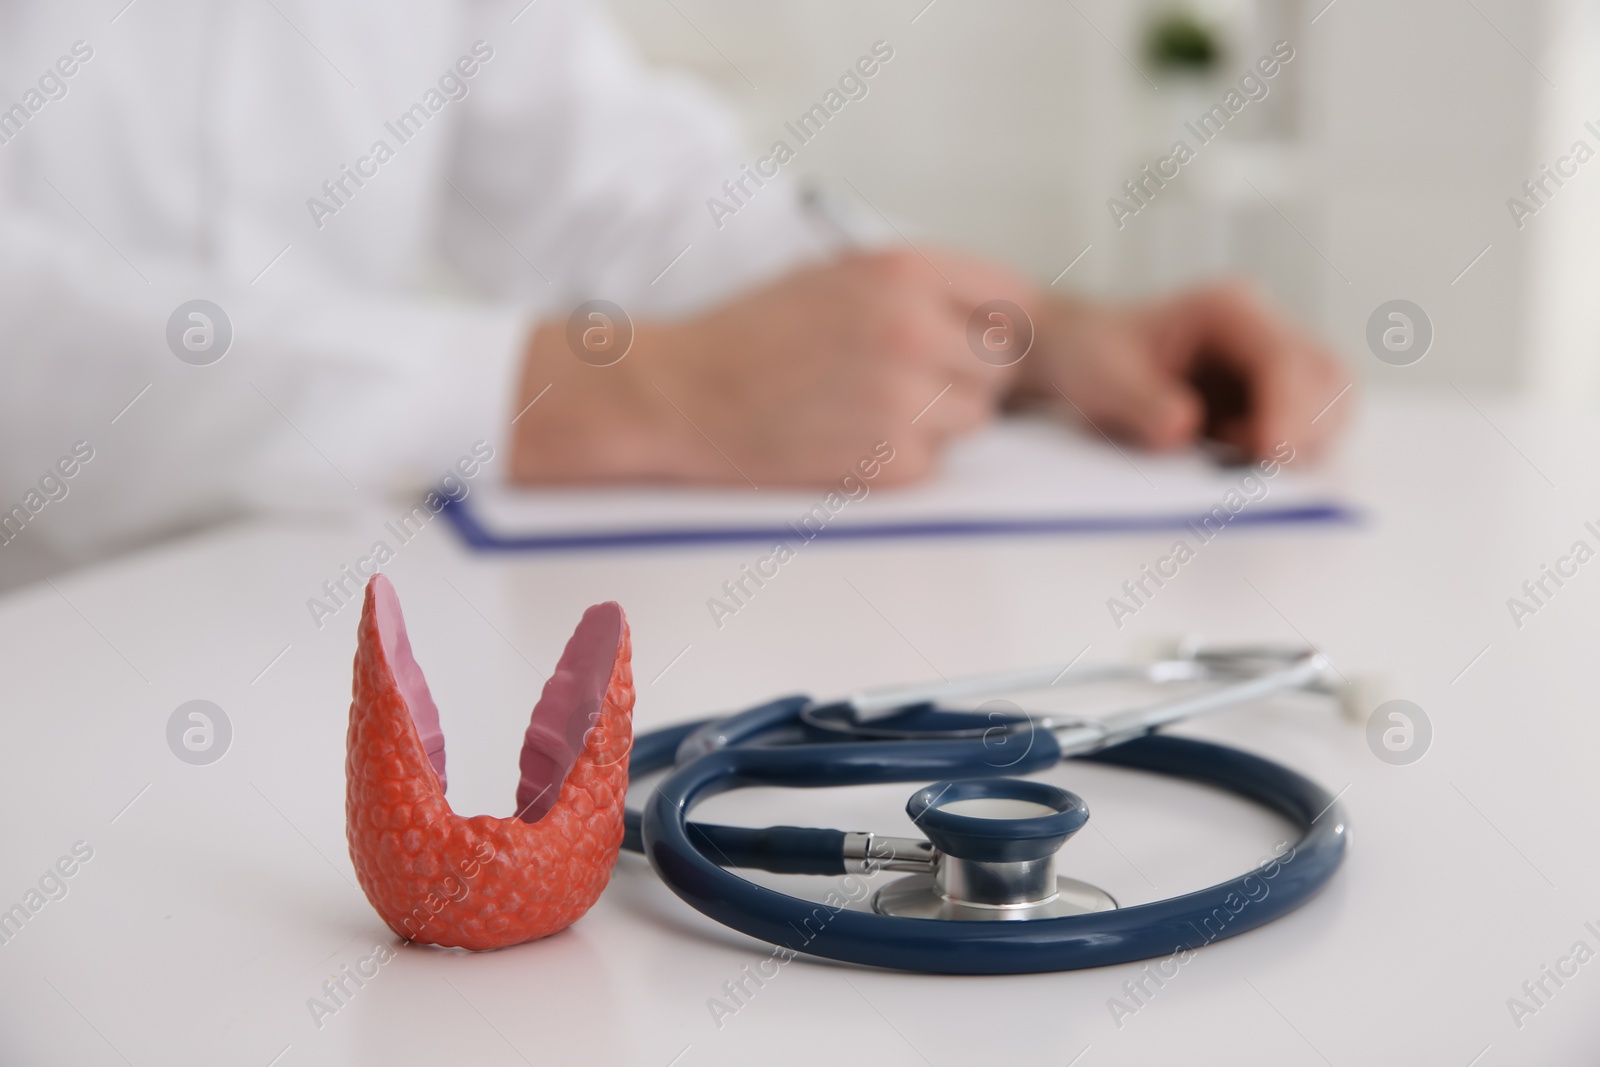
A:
(483, 882)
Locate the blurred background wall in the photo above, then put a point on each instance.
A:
(1378, 166)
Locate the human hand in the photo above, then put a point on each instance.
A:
(791, 384)
(1214, 362)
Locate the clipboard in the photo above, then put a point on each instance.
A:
(1019, 478)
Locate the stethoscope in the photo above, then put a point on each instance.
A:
(982, 895)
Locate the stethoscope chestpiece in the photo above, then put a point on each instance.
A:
(995, 842)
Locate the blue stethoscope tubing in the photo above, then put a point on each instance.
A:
(678, 849)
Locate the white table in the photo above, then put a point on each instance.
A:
(220, 897)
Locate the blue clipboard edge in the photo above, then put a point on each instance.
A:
(480, 538)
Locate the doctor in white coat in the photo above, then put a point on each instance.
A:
(284, 254)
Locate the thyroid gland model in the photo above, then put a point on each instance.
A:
(479, 883)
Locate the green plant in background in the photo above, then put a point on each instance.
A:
(1178, 40)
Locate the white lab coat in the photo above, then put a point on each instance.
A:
(376, 337)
